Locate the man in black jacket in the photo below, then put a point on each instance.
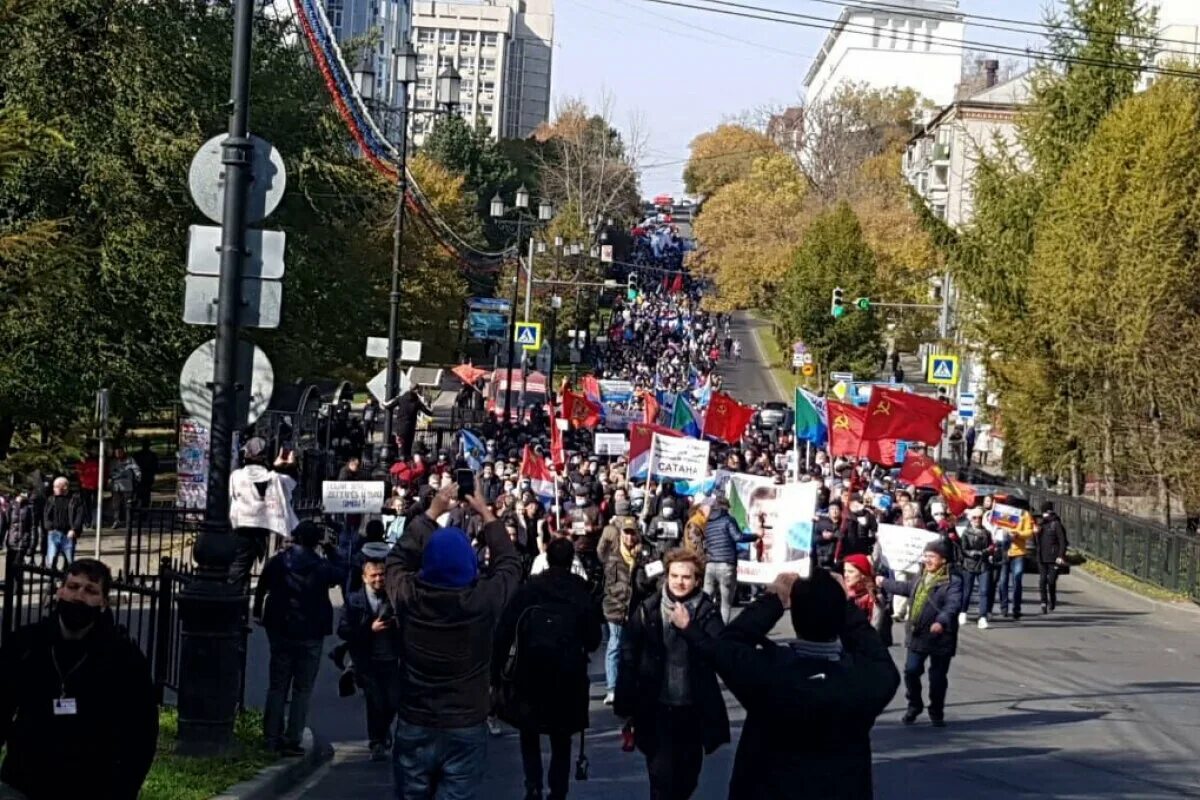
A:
(554, 623)
(407, 407)
(76, 698)
(447, 614)
(1051, 553)
(64, 518)
(368, 626)
(810, 704)
(295, 584)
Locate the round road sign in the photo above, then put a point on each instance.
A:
(253, 371)
(206, 180)
(808, 371)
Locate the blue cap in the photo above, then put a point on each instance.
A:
(449, 560)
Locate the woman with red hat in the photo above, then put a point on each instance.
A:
(859, 575)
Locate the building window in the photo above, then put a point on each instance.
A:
(489, 40)
(466, 62)
(424, 102)
(447, 37)
(425, 36)
(445, 61)
(425, 60)
(486, 108)
(468, 86)
(424, 84)
(486, 64)
(487, 86)
(466, 38)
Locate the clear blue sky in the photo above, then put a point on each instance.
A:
(683, 71)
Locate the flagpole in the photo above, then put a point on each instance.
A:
(650, 467)
(557, 505)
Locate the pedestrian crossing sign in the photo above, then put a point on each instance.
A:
(529, 335)
(943, 369)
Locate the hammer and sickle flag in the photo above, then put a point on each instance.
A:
(726, 418)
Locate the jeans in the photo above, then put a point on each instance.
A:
(1016, 568)
(293, 670)
(939, 671)
(984, 580)
(998, 581)
(381, 687)
(438, 763)
(560, 762)
(58, 542)
(1048, 583)
(612, 655)
(721, 579)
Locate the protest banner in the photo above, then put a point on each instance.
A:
(611, 444)
(902, 547)
(351, 497)
(615, 391)
(678, 458)
(619, 417)
(783, 514)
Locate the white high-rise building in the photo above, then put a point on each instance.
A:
(1179, 27)
(501, 48)
(389, 21)
(885, 46)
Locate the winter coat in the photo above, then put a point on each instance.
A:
(859, 537)
(942, 605)
(722, 536)
(64, 513)
(110, 741)
(825, 549)
(295, 585)
(1051, 539)
(643, 668)
(558, 703)
(976, 545)
(19, 528)
(808, 720)
(625, 587)
(447, 633)
(354, 628)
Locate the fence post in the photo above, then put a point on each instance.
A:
(129, 535)
(11, 579)
(162, 625)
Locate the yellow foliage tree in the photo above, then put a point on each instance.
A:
(724, 155)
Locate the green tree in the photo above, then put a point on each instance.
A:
(834, 254)
(473, 153)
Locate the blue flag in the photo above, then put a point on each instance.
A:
(472, 448)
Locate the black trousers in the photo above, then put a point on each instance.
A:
(250, 544)
(380, 681)
(1048, 584)
(939, 682)
(560, 762)
(678, 753)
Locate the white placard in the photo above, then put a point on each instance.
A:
(902, 547)
(679, 458)
(611, 444)
(783, 514)
(351, 497)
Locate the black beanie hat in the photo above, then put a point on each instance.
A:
(818, 607)
(938, 546)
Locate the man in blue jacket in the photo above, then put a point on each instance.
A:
(721, 538)
(295, 584)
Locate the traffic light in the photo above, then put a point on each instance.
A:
(837, 305)
(631, 291)
(863, 304)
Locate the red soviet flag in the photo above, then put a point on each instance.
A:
(902, 415)
(580, 411)
(922, 471)
(726, 418)
(845, 435)
(557, 456)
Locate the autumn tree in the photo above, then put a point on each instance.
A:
(834, 253)
(723, 155)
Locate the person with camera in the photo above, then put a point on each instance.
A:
(540, 667)
(931, 630)
(294, 590)
(368, 627)
(664, 686)
(447, 613)
(810, 703)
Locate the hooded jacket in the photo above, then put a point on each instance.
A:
(295, 584)
(1051, 539)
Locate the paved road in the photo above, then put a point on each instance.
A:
(1099, 700)
(749, 380)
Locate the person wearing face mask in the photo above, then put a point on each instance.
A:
(666, 687)
(859, 531)
(489, 484)
(665, 530)
(75, 691)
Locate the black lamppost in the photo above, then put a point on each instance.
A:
(522, 219)
(449, 92)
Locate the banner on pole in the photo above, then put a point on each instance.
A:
(351, 497)
(679, 458)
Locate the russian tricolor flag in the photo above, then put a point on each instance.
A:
(541, 479)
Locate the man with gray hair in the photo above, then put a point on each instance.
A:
(64, 519)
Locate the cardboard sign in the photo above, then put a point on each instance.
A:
(902, 547)
(351, 497)
(611, 444)
(680, 459)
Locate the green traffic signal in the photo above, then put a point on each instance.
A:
(863, 303)
(838, 311)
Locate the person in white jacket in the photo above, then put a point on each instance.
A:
(260, 504)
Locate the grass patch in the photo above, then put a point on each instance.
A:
(1106, 573)
(175, 777)
(779, 360)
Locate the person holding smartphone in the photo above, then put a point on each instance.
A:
(368, 627)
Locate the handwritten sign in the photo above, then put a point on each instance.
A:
(902, 547)
(679, 458)
(611, 444)
(351, 497)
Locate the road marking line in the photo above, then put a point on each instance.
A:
(762, 357)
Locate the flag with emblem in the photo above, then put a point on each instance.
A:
(923, 472)
(558, 456)
(686, 419)
(893, 414)
(579, 411)
(810, 418)
(845, 426)
(726, 419)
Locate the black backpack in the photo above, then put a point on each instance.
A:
(545, 649)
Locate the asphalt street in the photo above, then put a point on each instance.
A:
(1100, 699)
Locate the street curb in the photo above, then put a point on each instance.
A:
(277, 779)
(1186, 606)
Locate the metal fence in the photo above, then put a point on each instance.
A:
(1139, 548)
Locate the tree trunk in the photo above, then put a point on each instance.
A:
(8, 427)
(1158, 459)
(1107, 454)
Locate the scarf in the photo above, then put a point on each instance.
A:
(929, 581)
(627, 555)
(676, 685)
(864, 598)
(818, 651)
